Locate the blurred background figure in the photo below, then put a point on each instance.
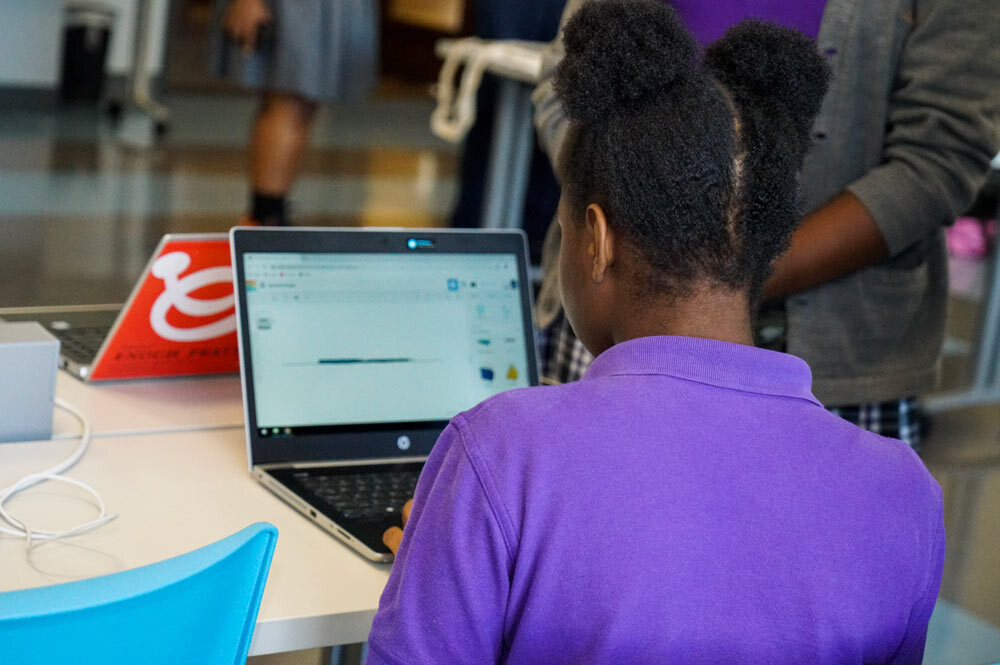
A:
(528, 20)
(297, 54)
(972, 236)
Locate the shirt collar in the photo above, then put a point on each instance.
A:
(709, 361)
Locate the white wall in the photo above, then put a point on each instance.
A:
(31, 40)
(30, 43)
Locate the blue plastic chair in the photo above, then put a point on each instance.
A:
(196, 608)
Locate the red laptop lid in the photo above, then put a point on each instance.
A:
(181, 319)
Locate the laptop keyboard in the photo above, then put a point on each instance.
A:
(80, 344)
(364, 495)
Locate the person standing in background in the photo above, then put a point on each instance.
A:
(900, 147)
(297, 54)
(532, 20)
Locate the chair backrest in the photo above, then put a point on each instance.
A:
(198, 607)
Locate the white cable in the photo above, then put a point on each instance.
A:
(22, 530)
(452, 118)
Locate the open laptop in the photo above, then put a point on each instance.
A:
(179, 319)
(358, 346)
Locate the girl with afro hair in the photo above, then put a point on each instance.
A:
(689, 500)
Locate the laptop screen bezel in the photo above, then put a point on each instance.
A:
(360, 441)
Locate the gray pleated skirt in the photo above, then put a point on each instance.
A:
(322, 50)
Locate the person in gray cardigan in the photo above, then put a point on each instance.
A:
(900, 147)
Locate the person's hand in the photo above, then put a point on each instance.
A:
(243, 21)
(394, 536)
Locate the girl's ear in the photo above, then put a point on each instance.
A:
(600, 242)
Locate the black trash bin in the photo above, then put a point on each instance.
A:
(85, 49)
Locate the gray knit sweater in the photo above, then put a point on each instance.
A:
(909, 125)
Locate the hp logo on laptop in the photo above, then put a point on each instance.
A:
(403, 442)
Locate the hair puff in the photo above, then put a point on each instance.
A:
(762, 63)
(619, 55)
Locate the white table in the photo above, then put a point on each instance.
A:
(153, 406)
(177, 492)
(956, 637)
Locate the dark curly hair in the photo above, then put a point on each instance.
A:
(695, 163)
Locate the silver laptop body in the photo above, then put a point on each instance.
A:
(84, 331)
(357, 346)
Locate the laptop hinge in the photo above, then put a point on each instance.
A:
(329, 463)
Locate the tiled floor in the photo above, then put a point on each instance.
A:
(80, 213)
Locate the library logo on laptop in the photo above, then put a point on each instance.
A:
(181, 319)
(178, 293)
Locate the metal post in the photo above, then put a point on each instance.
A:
(987, 368)
(139, 109)
(510, 158)
(985, 387)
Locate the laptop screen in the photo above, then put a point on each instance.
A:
(341, 339)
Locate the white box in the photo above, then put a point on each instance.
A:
(29, 360)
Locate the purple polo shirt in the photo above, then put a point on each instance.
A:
(707, 21)
(688, 501)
